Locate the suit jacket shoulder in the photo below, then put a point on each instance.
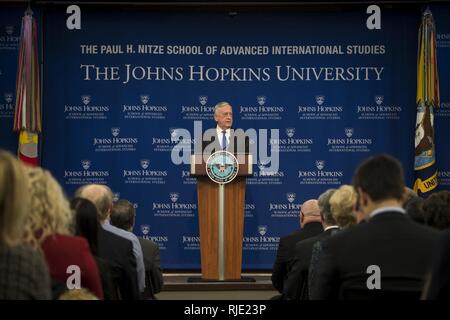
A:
(119, 252)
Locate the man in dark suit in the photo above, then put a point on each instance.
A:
(119, 253)
(117, 250)
(123, 216)
(296, 283)
(310, 227)
(438, 288)
(223, 137)
(385, 257)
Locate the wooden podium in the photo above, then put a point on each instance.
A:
(221, 220)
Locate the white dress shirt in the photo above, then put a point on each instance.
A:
(220, 135)
(381, 210)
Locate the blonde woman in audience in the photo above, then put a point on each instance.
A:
(23, 271)
(342, 204)
(48, 228)
(78, 294)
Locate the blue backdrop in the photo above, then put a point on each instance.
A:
(116, 92)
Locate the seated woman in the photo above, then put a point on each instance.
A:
(86, 226)
(23, 272)
(48, 227)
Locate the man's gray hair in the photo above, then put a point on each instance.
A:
(221, 105)
(99, 194)
(325, 208)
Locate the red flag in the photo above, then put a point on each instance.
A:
(27, 115)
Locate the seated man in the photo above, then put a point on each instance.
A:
(310, 227)
(388, 247)
(123, 216)
(296, 284)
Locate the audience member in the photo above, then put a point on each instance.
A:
(23, 271)
(436, 209)
(438, 286)
(344, 210)
(87, 226)
(400, 248)
(342, 204)
(116, 249)
(48, 226)
(123, 216)
(310, 227)
(413, 206)
(77, 294)
(296, 283)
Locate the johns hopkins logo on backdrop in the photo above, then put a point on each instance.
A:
(190, 242)
(349, 132)
(170, 140)
(321, 176)
(9, 30)
(145, 98)
(116, 142)
(86, 174)
(86, 164)
(320, 110)
(159, 239)
(262, 230)
(203, 100)
(86, 99)
(9, 38)
(186, 177)
(290, 132)
(443, 110)
(378, 110)
(7, 105)
(174, 207)
(320, 164)
(286, 207)
(173, 135)
(443, 40)
(8, 97)
(379, 100)
(198, 110)
(444, 178)
(261, 240)
(174, 196)
(290, 197)
(249, 210)
(291, 143)
(320, 99)
(144, 174)
(144, 109)
(145, 163)
(85, 110)
(349, 143)
(116, 196)
(261, 110)
(115, 131)
(145, 229)
(266, 176)
(261, 100)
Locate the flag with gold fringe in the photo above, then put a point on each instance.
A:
(27, 114)
(425, 168)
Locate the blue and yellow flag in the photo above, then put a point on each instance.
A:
(427, 100)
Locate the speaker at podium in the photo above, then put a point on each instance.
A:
(221, 200)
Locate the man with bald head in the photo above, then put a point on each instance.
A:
(114, 244)
(311, 226)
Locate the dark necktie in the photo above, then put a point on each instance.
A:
(224, 140)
